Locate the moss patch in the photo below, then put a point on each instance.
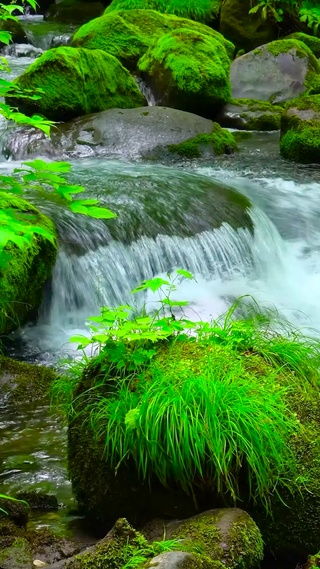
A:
(300, 130)
(22, 382)
(26, 270)
(77, 82)
(128, 34)
(220, 141)
(312, 42)
(189, 71)
(259, 115)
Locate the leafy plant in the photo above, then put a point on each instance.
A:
(140, 556)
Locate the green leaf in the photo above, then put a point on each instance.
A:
(83, 341)
(41, 165)
(76, 208)
(5, 37)
(152, 284)
(100, 213)
(185, 274)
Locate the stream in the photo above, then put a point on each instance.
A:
(99, 263)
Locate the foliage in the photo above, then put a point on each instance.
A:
(193, 401)
(140, 556)
(10, 498)
(308, 11)
(199, 10)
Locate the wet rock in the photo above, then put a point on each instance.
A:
(23, 50)
(16, 30)
(15, 511)
(275, 72)
(228, 535)
(248, 114)
(177, 560)
(300, 130)
(37, 499)
(73, 12)
(17, 555)
(245, 30)
(24, 382)
(28, 267)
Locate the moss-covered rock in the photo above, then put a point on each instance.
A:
(39, 500)
(18, 35)
(249, 114)
(300, 130)
(128, 34)
(218, 142)
(26, 270)
(77, 82)
(17, 555)
(15, 511)
(188, 71)
(199, 10)
(74, 12)
(312, 42)
(276, 72)
(21, 381)
(245, 30)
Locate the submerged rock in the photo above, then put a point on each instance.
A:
(24, 382)
(245, 30)
(188, 71)
(73, 12)
(275, 72)
(300, 130)
(27, 268)
(76, 82)
(248, 114)
(128, 34)
(39, 500)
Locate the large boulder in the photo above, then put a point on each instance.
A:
(26, 269)
(128, 34)
(245, 30)
(248, 114)
(147, 132)
(300, 130)
(76, 82)
(199, 10)
(276, 72)
(73, 12)
(188, 71)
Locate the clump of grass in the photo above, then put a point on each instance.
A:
(199, 10)
(200, 424)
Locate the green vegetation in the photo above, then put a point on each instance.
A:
(24, 381)
(220, 141)
(60, 73)
(300, 130)
(128, 34)
(189, 70)
(199, 10)
(312, 42)
(258, 115)
(307, 11)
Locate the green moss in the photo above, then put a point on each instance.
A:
(27, 269)
(259, 115)
(189, 71)
(220, 141)
(300, 130)
(74, 12)
(24, 382)
(245, 545)
(77, 82)
(128, 34)
(17, 555)
(311, 42)
(199, 10)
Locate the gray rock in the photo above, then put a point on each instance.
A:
(275, 72)
(17, 555)
(172, 560)
(116, 133)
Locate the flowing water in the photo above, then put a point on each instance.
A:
(164, 223)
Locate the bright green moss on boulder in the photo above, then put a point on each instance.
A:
(199, 10)
(77, 82)
(219, 142)
(311, 42)
(16, 30)
(300, 130)
(128, 34)
(25, 270)
(188, 71)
